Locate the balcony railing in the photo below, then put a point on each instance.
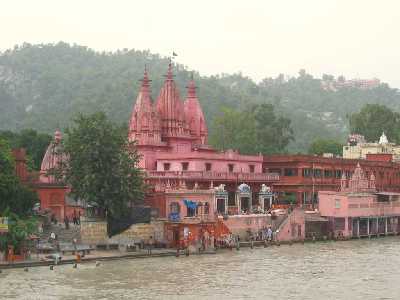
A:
(216, 176)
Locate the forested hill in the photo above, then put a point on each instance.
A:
(43, 86)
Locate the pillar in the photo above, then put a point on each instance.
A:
(368, 226)
(226, 205)
(377, 226)
(386, 226)
(358, 228)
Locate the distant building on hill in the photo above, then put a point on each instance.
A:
(362, 84)
(358, 148)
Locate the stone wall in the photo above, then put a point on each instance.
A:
(94, 233)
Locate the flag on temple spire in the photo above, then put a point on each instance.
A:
(174, 54)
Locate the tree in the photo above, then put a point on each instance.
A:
(233, 129)
(18, 232)
(34, 142)
(272, 133)
(102, 164)
(252, 131)
(321, 146)
(373, 119)
(14, 196)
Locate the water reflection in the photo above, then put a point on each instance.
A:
(365, 269)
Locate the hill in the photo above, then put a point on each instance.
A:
(44, 86)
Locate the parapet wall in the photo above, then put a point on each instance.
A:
(94, 233)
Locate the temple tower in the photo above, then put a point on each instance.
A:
(144, 125)
(171, 109)
(194, 115)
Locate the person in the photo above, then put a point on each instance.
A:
(52, 236)
(151, 244)
(79, 218)
(75, 218)
(269, 234)
(66, 221)
(75, 242)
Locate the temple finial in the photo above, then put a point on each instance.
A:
(191, 88)
(145, 81)
(169, 72)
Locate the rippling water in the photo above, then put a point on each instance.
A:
(362, 269)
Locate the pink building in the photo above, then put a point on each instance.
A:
(183, 170)
(358, 210)
(171, 135)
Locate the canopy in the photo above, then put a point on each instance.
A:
(190, 204)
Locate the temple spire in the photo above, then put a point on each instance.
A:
(170, 75)
(191, 88)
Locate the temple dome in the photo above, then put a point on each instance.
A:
(52, 158)
(383, 139)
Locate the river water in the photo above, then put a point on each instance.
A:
(359, 269)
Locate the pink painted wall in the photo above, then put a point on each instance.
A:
(199, 163)
(293, 228)
(195, 196)
(240, 224)
(355, 205)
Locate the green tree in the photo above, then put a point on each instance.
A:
(35, 144)
(272, 133)
(233, 129)
(252, 131)
(373, 119)
(19, 231)
(14, 196)
(321, 146)
(102, 164)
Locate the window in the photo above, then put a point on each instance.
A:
(277, 171)
(208, 167)
(339, 223)
(191, 212)
(317, 173)
(337, 203)
(206, 208)
(185, 166)
(338, 173)
(290, 172)
(307, 172)
(167, 166)
(251, 168)
(231, 198)
(231, 167)
(328, 173)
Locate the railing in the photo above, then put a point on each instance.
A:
(376, 208)
(218, 176)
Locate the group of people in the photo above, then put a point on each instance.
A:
(264, 234)
(76, 219)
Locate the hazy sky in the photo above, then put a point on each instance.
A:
(260, 38)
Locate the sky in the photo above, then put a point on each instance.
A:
(354, 38)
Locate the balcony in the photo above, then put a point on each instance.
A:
(213, 176)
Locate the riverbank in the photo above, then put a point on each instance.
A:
(104, 255)
(97, 256)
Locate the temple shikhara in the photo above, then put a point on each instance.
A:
(197, 192)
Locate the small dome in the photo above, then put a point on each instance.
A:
(244, 188)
